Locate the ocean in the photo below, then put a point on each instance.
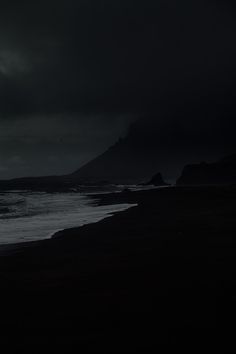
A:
(29, 216)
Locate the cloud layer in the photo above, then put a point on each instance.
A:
(114, 56)
(61, 61)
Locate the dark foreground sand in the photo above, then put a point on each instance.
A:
(159, 277)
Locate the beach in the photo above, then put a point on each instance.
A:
(158, 276)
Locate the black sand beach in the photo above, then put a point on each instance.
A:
(156, 277)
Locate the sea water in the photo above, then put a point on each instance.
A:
(30, 216)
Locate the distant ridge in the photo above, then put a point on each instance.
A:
(44, 183)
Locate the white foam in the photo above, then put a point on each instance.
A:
(42, 214)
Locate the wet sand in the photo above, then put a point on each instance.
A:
(159, 276)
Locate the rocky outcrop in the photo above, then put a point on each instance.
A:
(218, 173)
(156, 180)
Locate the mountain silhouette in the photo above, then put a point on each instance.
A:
(177, 134)
(167, 141)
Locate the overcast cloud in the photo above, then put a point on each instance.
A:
(74, 74)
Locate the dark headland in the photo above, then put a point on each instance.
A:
(156, 277)
(221, 172)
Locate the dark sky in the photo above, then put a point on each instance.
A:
(74, 74)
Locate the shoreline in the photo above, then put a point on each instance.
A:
(94, 214)
(58, 233)
(106, 199)
(154, 274)
(98, 199)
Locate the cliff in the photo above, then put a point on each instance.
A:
(218, 173)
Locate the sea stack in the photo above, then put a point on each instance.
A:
(156, 180)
